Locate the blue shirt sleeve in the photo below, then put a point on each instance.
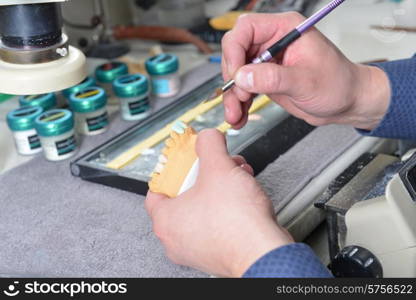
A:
(291, 261)
(400, 120)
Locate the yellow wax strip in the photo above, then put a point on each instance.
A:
(88, 94)
(134, 152)
(261, 102)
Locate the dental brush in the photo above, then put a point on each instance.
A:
(288, 39)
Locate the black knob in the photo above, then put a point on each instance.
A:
(356, 261)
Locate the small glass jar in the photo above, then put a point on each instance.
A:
(106, 74)
(89, 106)
(163, 69)
(22, 123)
(133, 94)
(57, 135)
(87, 82)
(46, 101)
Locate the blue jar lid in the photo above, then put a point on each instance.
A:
(88, 100)
(54, 122)
(87, 82)
(46, 101)
(23, 118)
(162, 64)
(108, 72)
(128, 86)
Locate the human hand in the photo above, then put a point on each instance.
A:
(312, 80)
(225, 222)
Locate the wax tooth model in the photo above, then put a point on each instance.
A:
(178, 165)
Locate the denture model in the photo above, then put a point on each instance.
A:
(178, 165)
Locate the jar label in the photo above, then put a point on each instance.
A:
(97, 123)
(66, 146)
(139, 107)
(34, 142)
(161, 86)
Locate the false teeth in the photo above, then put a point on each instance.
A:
(177, 159)
(179, 127)
(163, 159)
(159, 168)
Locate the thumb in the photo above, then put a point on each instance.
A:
(212, 152)
(153, 201)
(268, 78)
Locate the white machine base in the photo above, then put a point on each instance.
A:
(387, 227)
(43, 78)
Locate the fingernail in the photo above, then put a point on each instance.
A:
(245, 80)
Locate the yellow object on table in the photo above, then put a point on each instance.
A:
(227, 21)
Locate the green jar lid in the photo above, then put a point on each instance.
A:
(23, 118)
(129, 86)
(162, 64)
(108, 72)
(88, 100)
(46, 101)
(54, 122)
(87, 82)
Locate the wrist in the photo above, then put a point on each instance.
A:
(258, 244)
(371, 97)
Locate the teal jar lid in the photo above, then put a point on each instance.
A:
(162, 64)
(88, 100)
(108, 72)
(23, 118)
(87, 82)
(54, 122)
(129, 86)
(46, 101)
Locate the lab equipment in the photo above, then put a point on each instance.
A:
(106, 74)
(133, 93)
(35, 56)
(22, 123)
(163, 69)
(46, 101)
(57, 135)
(90, 111)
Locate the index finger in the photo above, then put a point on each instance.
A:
(252, 34)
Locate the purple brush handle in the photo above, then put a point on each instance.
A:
(297, 32)
(318, 16)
